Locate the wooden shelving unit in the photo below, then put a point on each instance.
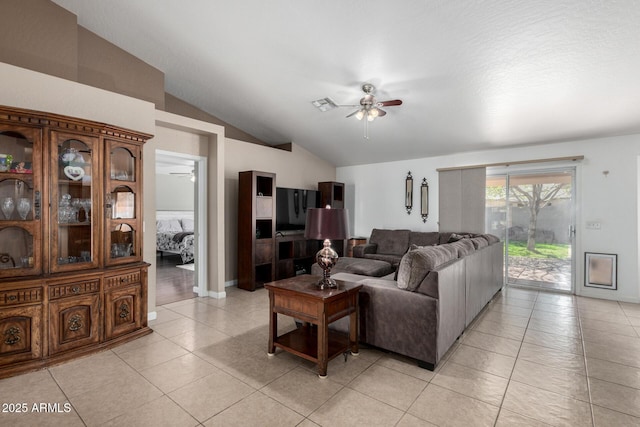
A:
(256, 229)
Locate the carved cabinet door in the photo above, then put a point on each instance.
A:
(74, 322)
(20, 334)
(122, 311)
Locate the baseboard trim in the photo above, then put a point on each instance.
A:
(152, 315)
(217, 295)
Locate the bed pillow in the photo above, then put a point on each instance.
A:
(187, 224)
(168, 226)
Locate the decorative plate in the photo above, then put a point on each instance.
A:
(74, 172)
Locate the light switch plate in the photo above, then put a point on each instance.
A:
(594, 225)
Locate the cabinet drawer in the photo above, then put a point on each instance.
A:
(122, 280)
(71, 289)
(20, 296)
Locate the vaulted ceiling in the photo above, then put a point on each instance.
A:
(472, 74)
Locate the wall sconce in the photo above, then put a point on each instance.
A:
(424, 199)
(408, 193)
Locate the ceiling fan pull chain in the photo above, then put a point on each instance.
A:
(366, 129)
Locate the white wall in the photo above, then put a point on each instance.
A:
(174, 193)
(378, 198)
(298, 169)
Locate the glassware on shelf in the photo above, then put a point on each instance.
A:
(68, 154)
(8, 207)
(86, 205)
(24, 207)
(76, 204)
(65, 210)
(119, 250)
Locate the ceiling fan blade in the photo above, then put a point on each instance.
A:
(381, 113)
(353, 114)
(390, 103)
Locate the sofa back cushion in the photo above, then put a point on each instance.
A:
(421, 238)
(464, 247)
(479, 242)
(419, 261)
(490, 238)
(392, 242)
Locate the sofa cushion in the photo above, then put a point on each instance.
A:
(490, 238)
(464, 247)
(391, 242)
(479, 242)
(361, 266)
(416, 263)
(419, 238)
(393, 260)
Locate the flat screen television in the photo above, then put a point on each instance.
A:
(291, 208)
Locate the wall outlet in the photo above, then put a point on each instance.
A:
(594, 225)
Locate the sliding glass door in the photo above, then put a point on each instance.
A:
(533, 213)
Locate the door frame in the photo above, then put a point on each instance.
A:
(572, 170)
(200, 217)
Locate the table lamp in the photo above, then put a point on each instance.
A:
(326, 224)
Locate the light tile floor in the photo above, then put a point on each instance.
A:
(530, 359)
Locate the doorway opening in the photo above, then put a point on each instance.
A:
(178, 226)
(533, 212)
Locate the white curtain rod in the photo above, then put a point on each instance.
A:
(519, 162)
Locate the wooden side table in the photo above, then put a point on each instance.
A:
(299, 297)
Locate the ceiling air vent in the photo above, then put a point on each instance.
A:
(324, 104)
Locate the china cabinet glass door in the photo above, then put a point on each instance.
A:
(123, 209)
(74, 223)
(20, 201)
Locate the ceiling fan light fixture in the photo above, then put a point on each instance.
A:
(360, 114)
(324, 104)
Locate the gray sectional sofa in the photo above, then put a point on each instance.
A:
(437, 290)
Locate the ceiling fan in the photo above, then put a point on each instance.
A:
(369, 107)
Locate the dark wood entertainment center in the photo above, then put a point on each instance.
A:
(265, 255)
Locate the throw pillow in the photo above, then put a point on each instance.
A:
(455, 237)
(417, 263)
(187, 224)
(168, 226)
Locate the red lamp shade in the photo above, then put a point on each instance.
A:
(327, 223)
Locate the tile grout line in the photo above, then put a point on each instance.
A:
(514, 365)
(586, 369)
(65, 395)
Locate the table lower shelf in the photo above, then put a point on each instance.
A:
(303, 342)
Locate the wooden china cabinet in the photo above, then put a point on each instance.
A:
(72, 279)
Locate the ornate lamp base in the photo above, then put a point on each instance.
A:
(326, 259)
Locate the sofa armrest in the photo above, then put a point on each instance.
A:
(398, 320)
(368, 248)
